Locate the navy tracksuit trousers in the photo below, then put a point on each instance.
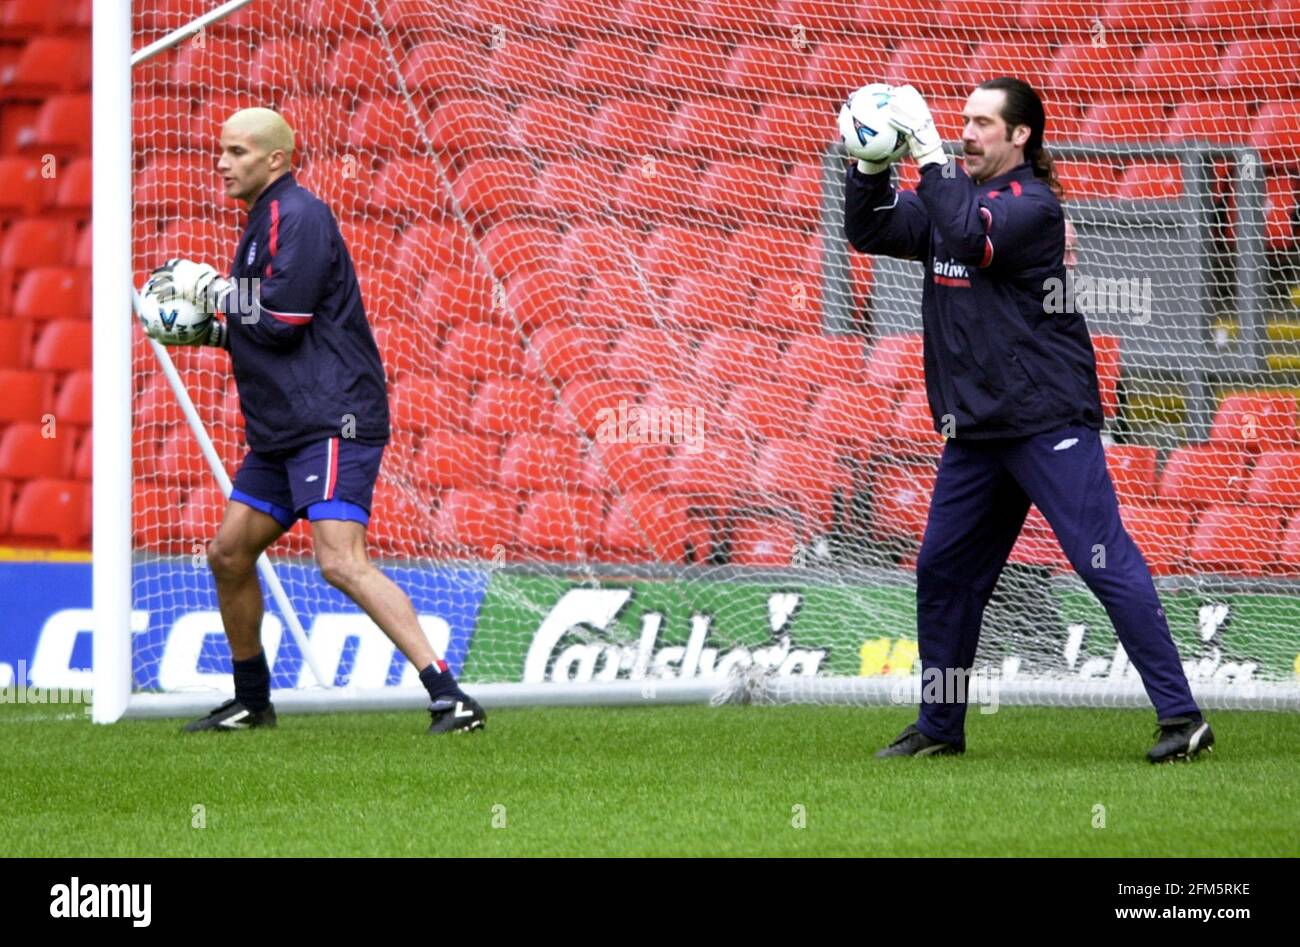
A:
(981, 497)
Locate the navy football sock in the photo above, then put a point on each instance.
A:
(253, 682)
(440, 683)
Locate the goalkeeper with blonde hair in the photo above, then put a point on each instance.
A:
(315, 402)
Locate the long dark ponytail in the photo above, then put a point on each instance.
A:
(1022, 106)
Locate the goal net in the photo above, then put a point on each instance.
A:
(653, 421)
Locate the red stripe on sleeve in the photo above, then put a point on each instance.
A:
(275, 226)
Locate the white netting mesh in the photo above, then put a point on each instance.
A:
(601, 249)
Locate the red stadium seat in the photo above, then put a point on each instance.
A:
(345, 180)
(737, 191)
(911, 431)
(561, 524)
(819, 360)
(76, 399)
(688, 65)
(618, 301)
(320, 124)
(359, 65)
(541, 462)
(1142, 18)
(793, 127)
(1224, 16)
(1161, 532)
(710, 126)
(485, 522)
(63, 126)
(279, 63)
(459, 459)
(855, 416)
(469, 126)
(801, 195)
(702, 301)
(601, 66)
(1082, 180)
(644, 355)
(537, 298)
(1176, 70)
(802, 475)
(514, 247)
(1275, 481)
(560, 353)
(836, 65)
(1284, 17)
(526, 66)
(686, 405)
(25, 190)
(483, 15)
(635, 464)
(83, 466)
(1106, 352)
(1153, 180)
(1090, 67)
(63, 345)
(552, 125)
(15, 346)
(1027, 56)
(443, 66)
(482, 350)
(454, 297)
(1037, 545)
(1203, 474)
(653, 117)
(594, 250)
(1280, 190)
(654, 526)
(387, 124)
(1111, 119)
(51, 292)
(1276, 133)
(201, 513)
(491, 188)
(785, 304)
(731, 356)
(511, 406)
(742, 17)
(205, 67)
(939, 65)
(658, 189)
(1268, 67)
(1256, 422)
(422, 404)
(20, 19)
(764, 541)
(758, 70)
(37, 241)
(675, 250)
(1238, 539)
(766, 409)
(901, 501)
(340, 17)
(896, 361)
(179, 186)
(658, 17)
(1061, 16)
(578, 187)
(591, 405)
(1133, 471)
(48, 65)
(52, 509)
(715, 473)
(402, 521)
(432, 248)
(26, 452)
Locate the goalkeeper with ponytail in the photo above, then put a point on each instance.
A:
(1012, 385)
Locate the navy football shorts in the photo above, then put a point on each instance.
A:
(332, 479)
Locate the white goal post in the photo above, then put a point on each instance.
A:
(658, 434)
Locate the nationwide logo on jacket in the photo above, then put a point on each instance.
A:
(951, 273)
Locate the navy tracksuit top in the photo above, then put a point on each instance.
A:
(305, 362)
(996, 360)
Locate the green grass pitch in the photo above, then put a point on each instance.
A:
(644, 781)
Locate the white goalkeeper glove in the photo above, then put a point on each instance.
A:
(196, 283)
(869, 160)
(909, 114)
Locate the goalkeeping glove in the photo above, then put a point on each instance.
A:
(909, 114)
(197, 283)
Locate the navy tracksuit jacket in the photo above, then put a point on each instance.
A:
(1018, 385)
(303, 355)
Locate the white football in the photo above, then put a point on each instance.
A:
(174, 322)
(875, 134)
